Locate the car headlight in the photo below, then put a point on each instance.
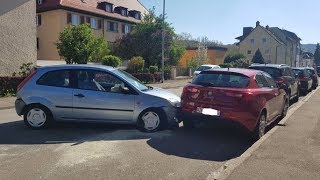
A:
(174, 102)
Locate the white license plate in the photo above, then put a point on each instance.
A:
(208, 111)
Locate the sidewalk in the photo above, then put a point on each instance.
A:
(7, 102)
(292, 152)
(168, 84)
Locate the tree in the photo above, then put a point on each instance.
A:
(78, 45)
(233, 56)
(258, 58)
(112, 61)
(202, 54)
(145, 40)
(317, 55)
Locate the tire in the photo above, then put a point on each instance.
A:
(152, 120)
(285, 108)
(296, 99)
(188, 123)
(37, 117)
(260, 129)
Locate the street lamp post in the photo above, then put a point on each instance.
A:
(163, 38)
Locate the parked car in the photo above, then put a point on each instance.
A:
(314, 77)
(93, 94)
(318, 70)
(284, 77)
(205, 67)
(246, 97)
(304, 78)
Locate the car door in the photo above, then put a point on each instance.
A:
(54, 87)
(278, 100)
(292, 81)
(267, 94)
(100, 96)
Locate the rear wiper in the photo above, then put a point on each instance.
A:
(205, 84)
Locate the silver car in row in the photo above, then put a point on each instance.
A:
(93, 93)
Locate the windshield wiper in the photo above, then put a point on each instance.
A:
(150, 87)
(206, 84)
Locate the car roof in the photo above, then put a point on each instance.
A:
(77, 66)
(246, 72)
(270, 65)
(210, 65)
(299, 68)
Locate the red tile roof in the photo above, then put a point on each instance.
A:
(90, 6)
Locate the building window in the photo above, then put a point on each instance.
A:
(74, 19)
(93, 23)
(112, 26)
(109, 8)
(264, 40)
(124, 12)
(137, 16)
(38, 20)
(125, 28)
(37, 43)
(249, 52)
(39, 2)
(252, 41)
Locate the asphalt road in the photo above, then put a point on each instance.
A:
(96, 151)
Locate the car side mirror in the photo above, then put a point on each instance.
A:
(296, 75)
(125, 90)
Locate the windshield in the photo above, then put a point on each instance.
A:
(298, 72)
(203, 68)
(274, 72)
(310, 71)
(222, 80)
(132, 80)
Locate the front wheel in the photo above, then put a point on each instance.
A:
(296, 99)
(285, 108)
(151, 120)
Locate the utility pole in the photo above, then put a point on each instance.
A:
(163, 38)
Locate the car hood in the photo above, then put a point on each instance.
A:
(197, 72)
(158, 92)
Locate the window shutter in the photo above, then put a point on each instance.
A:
(69, 18)
(99, 24)
(123, 28)
(81, 19)
(39, 19)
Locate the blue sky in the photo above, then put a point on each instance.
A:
(222, 20)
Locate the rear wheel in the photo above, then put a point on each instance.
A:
(188, 123)
(37, 117)
(260, 129)
(296, 99)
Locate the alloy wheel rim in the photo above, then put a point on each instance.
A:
(262, 126)
(151, 120)
(36, 117)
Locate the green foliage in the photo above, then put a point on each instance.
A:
(145, 40)
(167, 72)
(240, 63)
(78, 45)
(225, 65)
(25, 69)
(317, 55)
(233, 56)
(193, 63)
(153, 69)
(112, 61)
(258, 58)
(136, 64)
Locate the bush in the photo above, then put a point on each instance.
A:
(157, 76)
(9, 85)
(136, 64)
(167, 72)
(153, 69)
(233, 56)
(193, 64)
(241, 63)
(225, 65)
(112, 61)
(144, 77)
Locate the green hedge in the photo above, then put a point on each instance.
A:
(8, 85)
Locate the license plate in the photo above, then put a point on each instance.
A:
(208, 111)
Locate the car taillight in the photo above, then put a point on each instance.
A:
(20, 86)
(231, 94)
(281, 80)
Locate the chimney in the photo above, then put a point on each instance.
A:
(267, 27)
(257, 23)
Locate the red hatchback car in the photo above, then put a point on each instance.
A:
(249, 98)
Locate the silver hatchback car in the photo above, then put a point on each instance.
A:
(93, 93)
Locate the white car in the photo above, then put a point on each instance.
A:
(205, 67)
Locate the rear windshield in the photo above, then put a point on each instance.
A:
(274, 72)
(218, 79)
(298, 72)
(203, 68)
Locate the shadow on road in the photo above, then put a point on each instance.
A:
(209, 143)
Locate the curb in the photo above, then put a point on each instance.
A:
(229, 166)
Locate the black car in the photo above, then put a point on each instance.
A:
(304, 78)
(284, 77)
(314, 76)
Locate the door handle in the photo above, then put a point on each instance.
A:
(79, 95)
